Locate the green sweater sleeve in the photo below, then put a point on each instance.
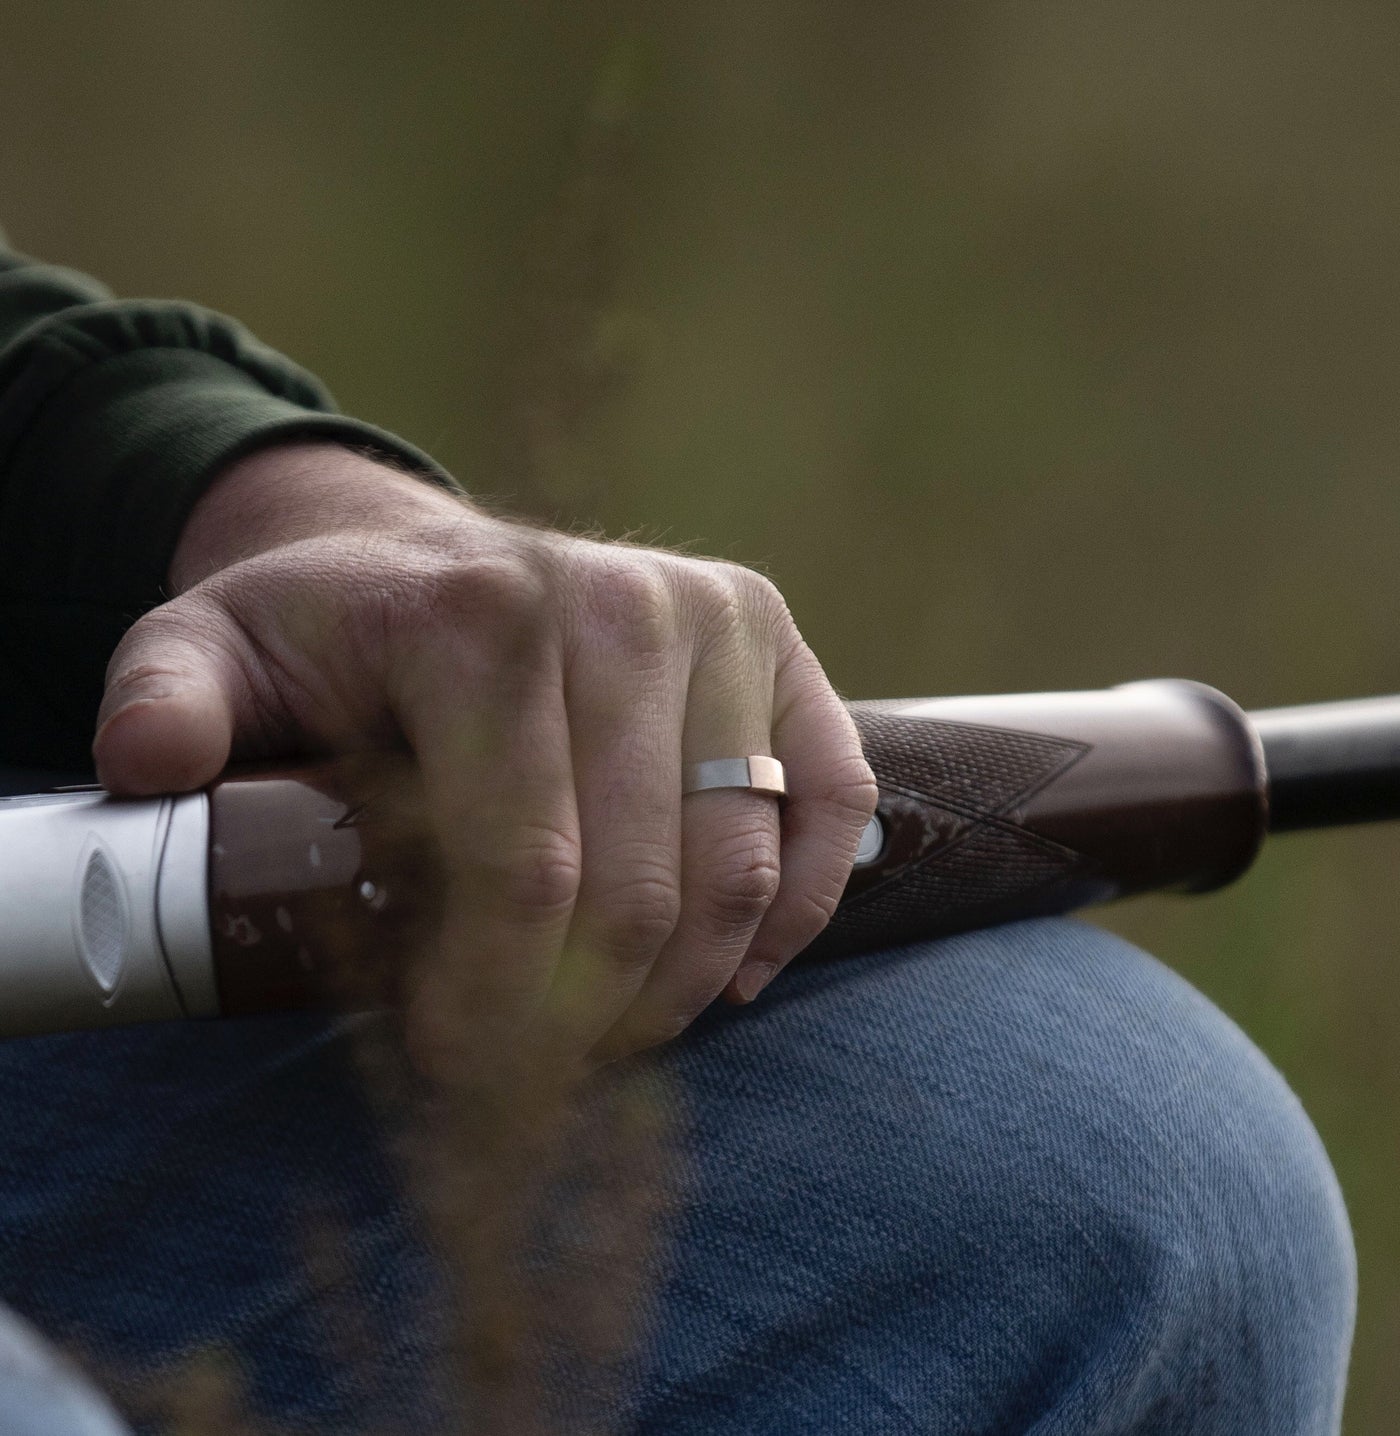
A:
(114, 416)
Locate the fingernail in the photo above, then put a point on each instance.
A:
(752, 978)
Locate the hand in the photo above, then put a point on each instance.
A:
(550, 688)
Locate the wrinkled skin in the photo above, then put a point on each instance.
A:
(550, 688)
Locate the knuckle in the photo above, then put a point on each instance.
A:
(848, 790)
(852, 790)
(710, 596)
(158, 646)
(761, 607)
(728, 604)
(503, 594)
(641, 917)
(540, 876)
(628, 604)
(762, 595)
(743, 880)
(811, 912)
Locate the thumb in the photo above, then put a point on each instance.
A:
(166, 720)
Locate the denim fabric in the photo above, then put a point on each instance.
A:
(1021, 1181)
(38, 1393)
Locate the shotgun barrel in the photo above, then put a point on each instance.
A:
(279, 885)
(1331, 763)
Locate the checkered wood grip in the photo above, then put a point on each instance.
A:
(955, 853)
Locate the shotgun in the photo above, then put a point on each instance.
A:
(279, 887)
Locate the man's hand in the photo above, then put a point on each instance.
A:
(551, 688)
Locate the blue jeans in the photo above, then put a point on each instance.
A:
(1025, 1180)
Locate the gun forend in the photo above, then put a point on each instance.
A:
(281, 883)
(1026, 804)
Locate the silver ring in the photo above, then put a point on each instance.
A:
(757, 774)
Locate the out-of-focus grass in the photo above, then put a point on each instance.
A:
(1026, 344)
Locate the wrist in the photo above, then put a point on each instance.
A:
(286, 492)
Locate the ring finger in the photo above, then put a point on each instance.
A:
(729, 854)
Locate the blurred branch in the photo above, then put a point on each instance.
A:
(571, 346)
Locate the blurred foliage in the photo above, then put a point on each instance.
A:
(1025, 343)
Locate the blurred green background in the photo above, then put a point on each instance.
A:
(1025, 344)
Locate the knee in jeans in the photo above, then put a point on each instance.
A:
(1178, 1186)
(1026, 1168)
